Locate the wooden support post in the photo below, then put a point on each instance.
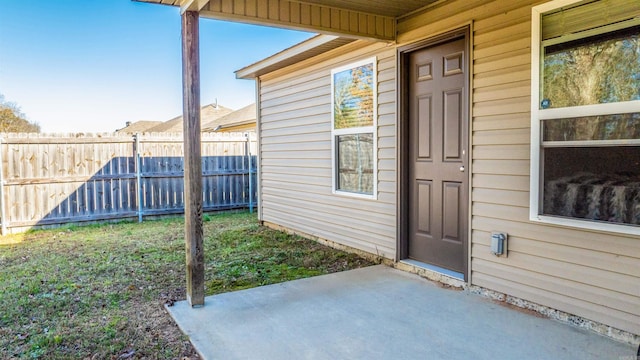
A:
(192, 158)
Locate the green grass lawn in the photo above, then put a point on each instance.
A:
(98, 292)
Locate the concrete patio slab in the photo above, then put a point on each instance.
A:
(378, 313)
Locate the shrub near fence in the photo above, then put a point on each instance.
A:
(55, 179)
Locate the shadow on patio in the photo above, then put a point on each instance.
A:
(378, 313)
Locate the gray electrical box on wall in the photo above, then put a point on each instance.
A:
(499, 243)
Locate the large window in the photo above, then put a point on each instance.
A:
(353, 129)
(585, 159)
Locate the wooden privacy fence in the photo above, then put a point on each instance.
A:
(55, 179)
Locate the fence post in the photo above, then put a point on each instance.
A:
(138, 175)
(3, 219)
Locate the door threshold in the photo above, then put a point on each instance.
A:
(432, 272)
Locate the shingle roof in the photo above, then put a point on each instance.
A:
(139, 127)
(207, 113)
(243, 116)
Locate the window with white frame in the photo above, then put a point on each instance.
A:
(354, 129)
(585, 134)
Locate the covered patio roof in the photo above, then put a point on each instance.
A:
(368, 19)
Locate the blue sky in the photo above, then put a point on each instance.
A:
(92, 65)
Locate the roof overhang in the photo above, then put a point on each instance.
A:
(307, 49)
(359, 19)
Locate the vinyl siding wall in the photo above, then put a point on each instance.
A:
(295, 110)
(591, 274)
(595, 275)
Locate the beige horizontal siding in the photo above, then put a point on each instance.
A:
(507, 182)
(503, 106)
(501, 152)
(541, 295)
(302, 154)
(616, 263)
(502, 121)
(591, 294)
(591, 274)
(388, 130)
(500, 196)
(320, 118)
(311, 145)
(310, 87)
(275, 138)
(516, 30)
(502, 137)
(296, 155)
(324, 212)
(501, 61)
(588, 299)
(450, 15)
(294, 179)
(308, 129)
(616, 245)
(501, 167)
(315, 100)
(302, 224)
(518, 89)
(305, 113)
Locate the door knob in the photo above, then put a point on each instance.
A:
(462, 168)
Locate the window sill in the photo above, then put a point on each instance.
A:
(354, 195)
(587, 225)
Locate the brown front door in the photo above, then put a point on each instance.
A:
(438, 138)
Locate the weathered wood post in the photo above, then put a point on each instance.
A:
(192, 158)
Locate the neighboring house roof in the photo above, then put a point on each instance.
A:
(138, 126)
(302, 51)
(245, 116)
(207, 113)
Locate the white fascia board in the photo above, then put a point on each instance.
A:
(249, 72)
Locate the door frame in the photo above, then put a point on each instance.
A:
(402, 140)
